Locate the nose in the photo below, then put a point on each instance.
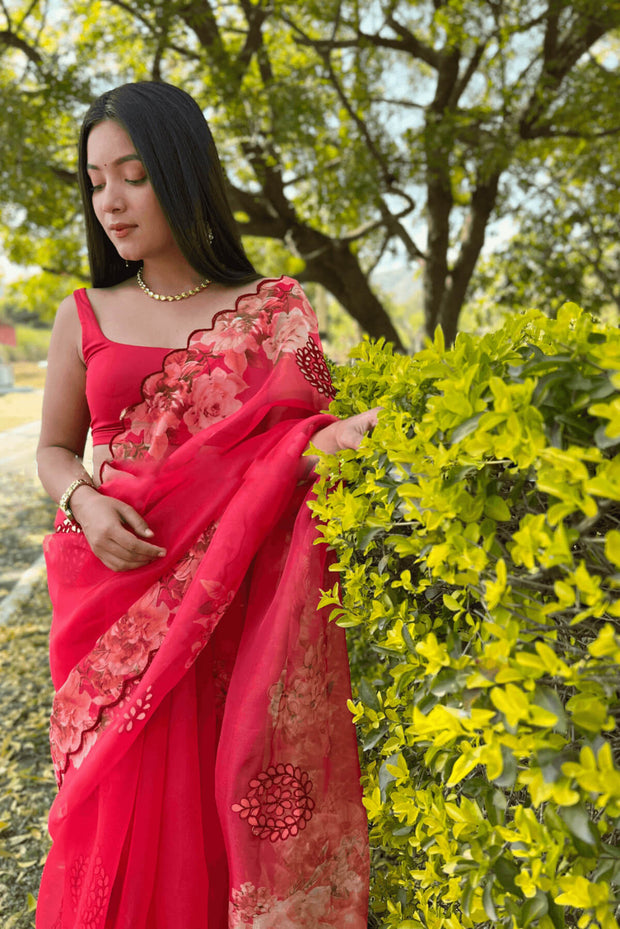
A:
(112, 200)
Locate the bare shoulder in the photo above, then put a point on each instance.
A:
(67, 319)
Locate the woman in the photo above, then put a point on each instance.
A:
(205, 757)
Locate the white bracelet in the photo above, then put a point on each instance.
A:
(63, 503)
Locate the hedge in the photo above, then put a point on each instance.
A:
(477, 540)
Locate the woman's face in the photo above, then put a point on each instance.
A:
(123, 200)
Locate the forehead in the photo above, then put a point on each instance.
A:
(107, 141)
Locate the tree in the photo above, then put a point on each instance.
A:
(566, 246)
(350, 131)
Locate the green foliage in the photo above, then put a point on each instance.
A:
(477, 535)
(350, 132)
(32, 345)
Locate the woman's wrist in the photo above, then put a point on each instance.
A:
(73, 498)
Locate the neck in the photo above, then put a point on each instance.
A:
(170, 275)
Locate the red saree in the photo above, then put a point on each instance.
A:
(206, 759)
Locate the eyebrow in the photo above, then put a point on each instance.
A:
(119, 161)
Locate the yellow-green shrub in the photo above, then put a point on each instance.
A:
(477, 535)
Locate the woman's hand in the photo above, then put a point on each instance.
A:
(346, 433)
(112, 528)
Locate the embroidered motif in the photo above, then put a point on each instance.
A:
(76, 878)
(314, 368)
(278, 804)
(137, 712)
(98, 891)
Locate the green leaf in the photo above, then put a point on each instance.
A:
(368, 695)
(506, 872)
(465, 428)
(578, 821)
(535, 908)
(487, 901)
(385, 775)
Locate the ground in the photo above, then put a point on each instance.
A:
(27, 785)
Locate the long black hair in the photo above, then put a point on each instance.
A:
(174, 142)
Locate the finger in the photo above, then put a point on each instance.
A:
(129, 550)
(372, 416)
(121, 563)
(134, 520)
(131, 543)
(134, 548)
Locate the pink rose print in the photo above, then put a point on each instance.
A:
(213, 398)
(278, 804)
(289, 332)
(233, 338)
(180, 367)
(71, 716)
(248, 902)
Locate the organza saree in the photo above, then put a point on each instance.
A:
(206, 759)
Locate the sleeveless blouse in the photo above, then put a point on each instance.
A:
(114, 372)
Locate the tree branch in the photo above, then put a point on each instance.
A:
(410, 43)
(11, 40)
(255, 16)
(472, 67)
(181, 50)
(483, 201)
(564, 53)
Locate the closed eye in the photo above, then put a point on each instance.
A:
(94, 188)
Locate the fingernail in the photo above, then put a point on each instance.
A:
(148, 532)
(162, 553)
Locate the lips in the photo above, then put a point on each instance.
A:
(120, 230)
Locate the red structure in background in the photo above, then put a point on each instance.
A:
(7, 335)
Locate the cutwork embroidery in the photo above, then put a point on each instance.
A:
(76, 879)
(137, 712)
(314, 368)
(98, 890)
(278, 804)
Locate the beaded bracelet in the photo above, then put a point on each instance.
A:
(63, 503)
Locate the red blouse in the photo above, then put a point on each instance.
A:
(114, 372)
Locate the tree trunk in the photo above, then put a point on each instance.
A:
(333, 265)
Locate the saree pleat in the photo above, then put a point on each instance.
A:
(206, 758)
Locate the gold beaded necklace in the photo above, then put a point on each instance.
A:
(170, 297)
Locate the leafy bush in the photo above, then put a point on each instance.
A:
(477, 535)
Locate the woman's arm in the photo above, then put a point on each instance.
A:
(64, 427)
